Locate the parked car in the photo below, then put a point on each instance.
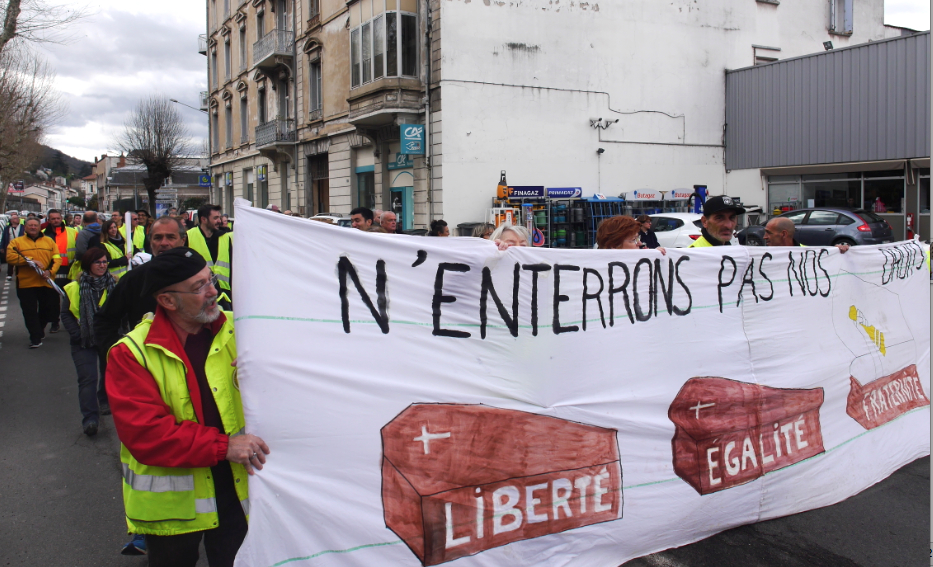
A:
(827, 227)
(334, 219)
(676, 230)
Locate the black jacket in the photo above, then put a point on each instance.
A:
(649, 239)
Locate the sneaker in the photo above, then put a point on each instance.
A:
(8, 278)
(136, 546)
(91, 429)
(35, 345)
(55, 328)
(104, 408)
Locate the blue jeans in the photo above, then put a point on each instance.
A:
(91, 392)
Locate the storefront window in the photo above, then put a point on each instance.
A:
(783, 197)
(924, 195)
(838, 193)
(884, 195)
(366, 189)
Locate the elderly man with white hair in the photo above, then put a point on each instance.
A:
(510, 235)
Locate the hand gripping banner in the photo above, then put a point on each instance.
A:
(431, 400)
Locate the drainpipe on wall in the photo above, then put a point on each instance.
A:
(210, 133)
(427, 114)
(295, 84)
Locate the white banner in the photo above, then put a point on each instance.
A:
(429, 399)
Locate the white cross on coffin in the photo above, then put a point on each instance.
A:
(426, 438)
(700, 405)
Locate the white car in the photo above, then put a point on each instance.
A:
(676, 230)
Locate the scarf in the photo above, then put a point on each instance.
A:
(90, 290)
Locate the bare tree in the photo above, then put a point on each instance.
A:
(37, 21)
(156, 137)
(29, 104)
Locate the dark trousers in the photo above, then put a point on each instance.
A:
(91, 391)
(220, 543)
(10, 269)
(40, 307)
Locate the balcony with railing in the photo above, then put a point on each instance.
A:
(273, 48)
(275, 132)
(202, 44)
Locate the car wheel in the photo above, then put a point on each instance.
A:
(848, 241)
(752, 240)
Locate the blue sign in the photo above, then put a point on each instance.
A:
(526, 191)
(412, 139)
(564, 192)
(204, 180)
(401, 161)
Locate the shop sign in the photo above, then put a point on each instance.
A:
(526, 191)
(412, 139)
(204, 180)
(564, 192)
(401, 161)
(678, 195)
(229, 178)
(262, 172)
(644, 195)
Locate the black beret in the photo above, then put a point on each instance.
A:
(170, 267)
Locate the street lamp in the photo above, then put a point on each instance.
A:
(188, 105)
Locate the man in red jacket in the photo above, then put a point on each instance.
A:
(200, 432)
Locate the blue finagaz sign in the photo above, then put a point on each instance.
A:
(527, 191)
(412, 139)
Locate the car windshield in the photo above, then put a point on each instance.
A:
(868, 216)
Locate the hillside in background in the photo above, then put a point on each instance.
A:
(61, 164)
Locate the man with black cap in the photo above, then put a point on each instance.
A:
(177, 410)
(720, 216)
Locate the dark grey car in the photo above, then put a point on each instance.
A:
(828, 226)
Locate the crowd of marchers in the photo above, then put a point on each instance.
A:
(153, 342)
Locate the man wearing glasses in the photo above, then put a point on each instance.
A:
(177, 410)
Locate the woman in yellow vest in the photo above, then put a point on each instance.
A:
(115, 246)
(79, 307)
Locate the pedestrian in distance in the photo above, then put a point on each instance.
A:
(508, 235)
(178, 413)
(37, 298)
(781, 231)
(136, 229)
(648, 237)
(439, 228)
(112, 242)
(377, 217)
(88, 237)
(361, 218)
(484, 230)
(720, 217)
(14, 230)
(621, 232)
(82, 300)
(215, 246)
(389, 222)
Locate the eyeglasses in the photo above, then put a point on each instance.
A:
(201, 288)
(103, 262)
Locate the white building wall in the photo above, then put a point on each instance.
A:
(522, 81)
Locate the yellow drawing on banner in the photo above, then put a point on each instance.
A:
(876, 335)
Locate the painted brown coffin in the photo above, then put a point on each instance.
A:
(728, 433)
(886, 398)
(461, 479)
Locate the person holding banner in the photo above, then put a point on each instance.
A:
(780, 231)
(37, 296)
(720, 217)
(510, 235)
(621, 232)
(177, 411)
(65, 238)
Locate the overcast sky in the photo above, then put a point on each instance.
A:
(129, 48)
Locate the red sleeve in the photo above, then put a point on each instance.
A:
(145, 423)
